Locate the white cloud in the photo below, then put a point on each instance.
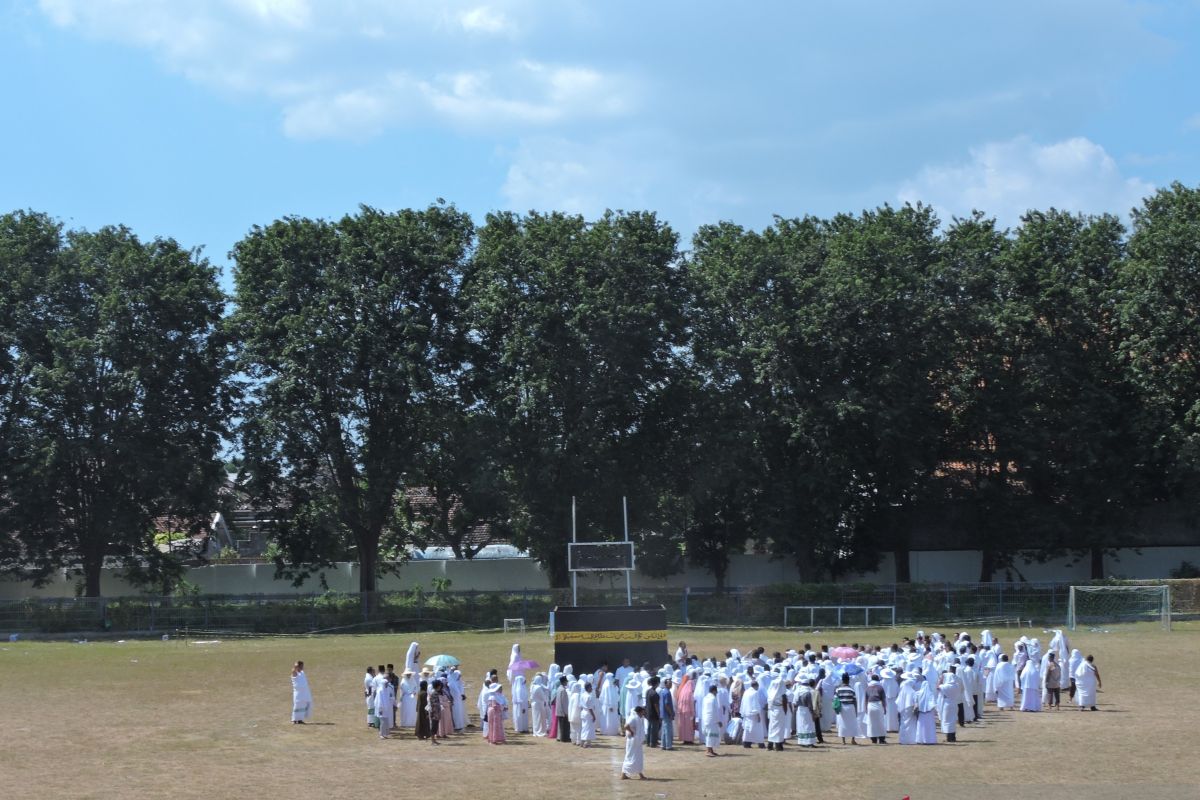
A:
(1006, 179)
(484, 19)
(355, 70)
(1192, 122)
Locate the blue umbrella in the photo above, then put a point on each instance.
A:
(442, 661)
(852, 669)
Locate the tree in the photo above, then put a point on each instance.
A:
(347, 330)
(575, 326)
(115, 403)
(1158, 307)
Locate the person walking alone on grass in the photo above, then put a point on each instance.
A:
(301, 695)
(1087, 681)
(635, 735)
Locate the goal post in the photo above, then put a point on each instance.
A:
(1099, 605)
(839, 616)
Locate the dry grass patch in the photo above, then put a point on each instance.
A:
(152, 719)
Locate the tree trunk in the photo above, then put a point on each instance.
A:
(987, 567)
(1097, 563)
(92, 566)
(720, 571)
(368, 562)
(903, 567)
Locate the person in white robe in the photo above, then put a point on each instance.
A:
(512, 657)
(573, 710)
(778, 715)
(1073, 664)
(409, 686)
(753, 717)
(385, 708)
(711, 723)
(458, 698)
(377, 683)
(804, 697)
(520, 705)
(368, 690)
(949, 696)
(891, 688)
(1031, 686)
(631, 693)
(1004, 678)
(926, 700)
(828, 687)
(622, 676)
(539, 706)
(635, 739)
(607, 707)
(966, 674)
(301, 695)
(875, 721)
(906, 706)
(587, 716)
(481, 704)
(1087, 681)
(412, 657)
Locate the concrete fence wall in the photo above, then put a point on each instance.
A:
(933, 566)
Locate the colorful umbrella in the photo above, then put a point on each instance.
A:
(523, 663)
(441, 661)
(848, 653)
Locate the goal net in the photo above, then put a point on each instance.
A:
(1100, 605)
(514, 624)
(839, 616)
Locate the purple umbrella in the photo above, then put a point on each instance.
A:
(522, 664)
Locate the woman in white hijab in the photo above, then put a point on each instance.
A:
(587, 715)
(408, 699)
(573, 709)
(778, 716)
(906, 704)
(411, 658)
(539, 706)
(1031, 686)
(458, 701)
(1072, 665)
(926, 700)
(512, 657)
(1004, 679)
(607, 706)
(520, 705)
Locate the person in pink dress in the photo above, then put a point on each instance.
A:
(446, 722)
(685, 709)
(495, 719)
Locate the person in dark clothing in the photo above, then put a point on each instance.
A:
(562, 700)
(653, 713)
(422, 711)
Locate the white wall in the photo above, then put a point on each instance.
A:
(933, 566)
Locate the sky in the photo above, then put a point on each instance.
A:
(198, 119)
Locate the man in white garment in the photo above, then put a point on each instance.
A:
(368, 689)
(377, 683)
(301, 695)
(635, 738)
(608, 705)
(587, 716)
(710, 721)
(481, 704)
(949, 696)
(1004, 678)
(1087, 681)
(753, 717)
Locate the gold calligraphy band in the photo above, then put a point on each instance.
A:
(589, 637)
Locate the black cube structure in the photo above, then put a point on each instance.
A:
(588, 636)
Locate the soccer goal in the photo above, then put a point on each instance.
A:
(514, 624)
(839, 616)
(1098, 605)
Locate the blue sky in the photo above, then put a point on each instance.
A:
(198, 119)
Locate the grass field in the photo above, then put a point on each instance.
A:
(151, 719)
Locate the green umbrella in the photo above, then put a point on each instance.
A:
(438, 662)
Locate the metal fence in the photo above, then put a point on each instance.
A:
(919, 603)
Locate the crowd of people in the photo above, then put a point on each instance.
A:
(911, 689)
